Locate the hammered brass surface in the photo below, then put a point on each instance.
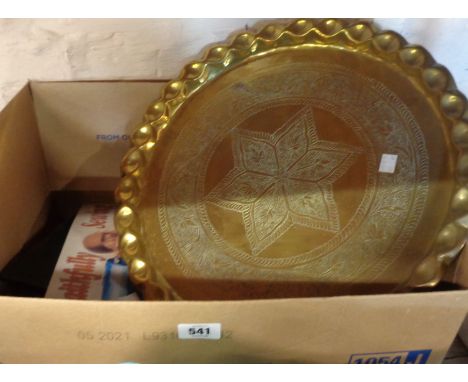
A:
(261, 172)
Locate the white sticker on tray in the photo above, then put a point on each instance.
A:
(199, 331)
(388, 163)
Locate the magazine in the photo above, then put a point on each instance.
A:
(89, 266)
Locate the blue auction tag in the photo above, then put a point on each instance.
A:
(409, 356)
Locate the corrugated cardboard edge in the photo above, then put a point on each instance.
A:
(24, 182)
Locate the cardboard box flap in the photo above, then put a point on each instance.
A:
(24, 182)
(85, 128)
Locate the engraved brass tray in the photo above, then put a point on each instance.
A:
(311, 159)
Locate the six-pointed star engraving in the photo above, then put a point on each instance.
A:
(283, 179)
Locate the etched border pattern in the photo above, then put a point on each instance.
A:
(213, 257)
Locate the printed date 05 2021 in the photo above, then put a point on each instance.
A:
(88, 335)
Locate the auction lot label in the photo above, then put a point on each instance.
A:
(408, 356)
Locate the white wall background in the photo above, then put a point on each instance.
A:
(82, 49)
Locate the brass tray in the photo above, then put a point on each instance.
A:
(311, 159)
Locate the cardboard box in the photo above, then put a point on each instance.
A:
(51, 138)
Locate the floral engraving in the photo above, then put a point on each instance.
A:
(283, 179)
